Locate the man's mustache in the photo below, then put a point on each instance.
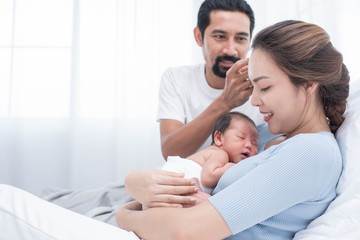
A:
(227, 58)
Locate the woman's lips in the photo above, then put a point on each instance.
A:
(267, 116)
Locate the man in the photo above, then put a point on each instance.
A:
(193, 97)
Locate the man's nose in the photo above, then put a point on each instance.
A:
(230, 48)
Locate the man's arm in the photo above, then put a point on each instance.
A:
(178, 139)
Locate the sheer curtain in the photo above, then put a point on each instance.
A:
(339, 18)
(79, 80)
(79, 87)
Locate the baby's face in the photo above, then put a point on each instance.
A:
(240, 140)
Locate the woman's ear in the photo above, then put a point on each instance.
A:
(218, 139)
(311, 87)
(198, 37)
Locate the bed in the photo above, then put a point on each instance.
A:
(25, 216)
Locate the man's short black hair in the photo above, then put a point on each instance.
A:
(227, 5)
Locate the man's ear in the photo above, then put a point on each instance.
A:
(198, 37)
(218, 139)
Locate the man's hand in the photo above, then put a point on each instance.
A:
(237, 88)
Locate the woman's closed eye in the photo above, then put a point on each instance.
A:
(265, 89)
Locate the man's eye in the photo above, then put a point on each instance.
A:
(219, 36)
(240, 39)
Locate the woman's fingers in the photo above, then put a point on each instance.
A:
(159, 187)
(175, 179)
(133, 205)
(178, 190)
(164, 200)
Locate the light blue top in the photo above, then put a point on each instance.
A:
(278, 192)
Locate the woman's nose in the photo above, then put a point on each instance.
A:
(255, 100)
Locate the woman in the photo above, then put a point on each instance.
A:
(300, 84)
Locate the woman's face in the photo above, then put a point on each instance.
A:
(281, 103)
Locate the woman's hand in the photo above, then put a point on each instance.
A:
(199, 198)
(158, 188)
(124, 210)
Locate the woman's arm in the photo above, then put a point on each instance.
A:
(200, 222)
(157, 188)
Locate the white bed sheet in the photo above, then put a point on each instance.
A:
(25, 216)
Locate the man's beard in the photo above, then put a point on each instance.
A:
(219, 70)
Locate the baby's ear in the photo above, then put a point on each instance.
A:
(218, 138)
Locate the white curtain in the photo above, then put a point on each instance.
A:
(79, 80)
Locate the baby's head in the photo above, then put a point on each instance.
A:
(237, 135)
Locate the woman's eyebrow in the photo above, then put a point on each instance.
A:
(259, 78)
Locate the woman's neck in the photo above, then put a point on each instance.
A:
(314, 121)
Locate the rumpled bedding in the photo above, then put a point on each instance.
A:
(25, 216)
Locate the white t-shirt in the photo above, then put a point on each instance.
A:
(184, 94)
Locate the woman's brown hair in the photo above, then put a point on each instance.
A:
(305, 53)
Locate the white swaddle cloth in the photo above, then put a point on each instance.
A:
(189, 167)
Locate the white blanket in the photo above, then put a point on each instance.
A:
(25, 216)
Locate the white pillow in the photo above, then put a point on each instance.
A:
(348, 137)
(342, 218)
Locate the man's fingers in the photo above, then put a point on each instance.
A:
(240, 66)
(241, 63)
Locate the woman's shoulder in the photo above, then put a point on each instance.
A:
(313, 140)
(320, 147)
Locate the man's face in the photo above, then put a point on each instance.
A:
(225, 40)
